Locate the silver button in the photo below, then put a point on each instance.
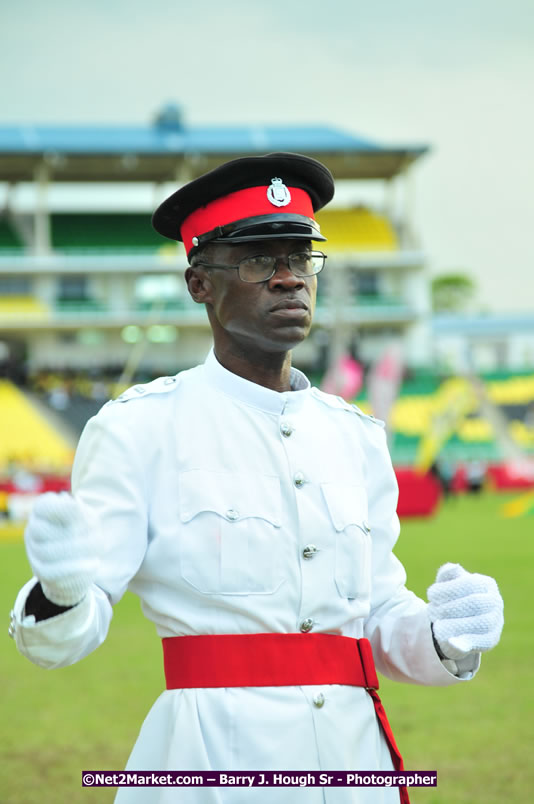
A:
(306, 625)
(309, 551)
(318, 700)
(286, 429)
(298, 479)
(232, 515)
(195, 241)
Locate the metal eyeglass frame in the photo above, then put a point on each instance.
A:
(286, 260)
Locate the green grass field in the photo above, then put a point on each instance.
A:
(478, 736)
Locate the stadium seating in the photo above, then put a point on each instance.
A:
(26, 438)
(357, 229)
(80, 306)
(78, 412)
(9, 240)
(474, 438)
(75, 232)
(25, 305)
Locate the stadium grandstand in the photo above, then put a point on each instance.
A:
(92, 299)
(79, 282)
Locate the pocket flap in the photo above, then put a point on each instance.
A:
(232, 495)
(347, 505)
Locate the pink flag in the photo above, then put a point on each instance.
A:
(344, 378)
(384, 381)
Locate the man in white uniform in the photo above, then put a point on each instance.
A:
(255, 517)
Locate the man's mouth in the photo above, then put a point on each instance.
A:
(289, 304)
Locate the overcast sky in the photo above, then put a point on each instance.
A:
(457, 76)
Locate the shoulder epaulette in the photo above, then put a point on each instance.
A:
(339, 403)
(363, 415)
(162, 385)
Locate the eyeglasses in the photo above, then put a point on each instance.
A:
(261, 267)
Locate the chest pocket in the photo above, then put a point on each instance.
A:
(230, 532)
(347, 506)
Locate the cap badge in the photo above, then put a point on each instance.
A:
(278, 194)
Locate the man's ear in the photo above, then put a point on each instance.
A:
(199, 284)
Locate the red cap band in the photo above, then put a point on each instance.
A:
(242, 204)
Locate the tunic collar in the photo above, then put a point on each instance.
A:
(257, 395)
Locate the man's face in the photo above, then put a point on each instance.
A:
(272, 316)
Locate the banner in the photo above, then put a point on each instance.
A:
(384, 381)
(344, 378)
(521, 506)
(451, 404)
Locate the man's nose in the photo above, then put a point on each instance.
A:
(284, 276)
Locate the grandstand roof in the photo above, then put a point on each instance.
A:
(165, 152)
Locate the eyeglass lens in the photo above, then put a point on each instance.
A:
(262, 266)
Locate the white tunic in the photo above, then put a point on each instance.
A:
(208, 488)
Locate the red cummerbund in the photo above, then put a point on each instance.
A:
(267, 660)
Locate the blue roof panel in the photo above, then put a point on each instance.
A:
(201, 139)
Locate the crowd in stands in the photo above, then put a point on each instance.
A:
(60, 388)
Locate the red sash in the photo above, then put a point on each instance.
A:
(277, 660)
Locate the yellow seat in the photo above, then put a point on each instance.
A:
(22, 305)
(357, 229)
(26, 438)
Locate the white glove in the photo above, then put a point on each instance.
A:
(61, 548)
(466, 611)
